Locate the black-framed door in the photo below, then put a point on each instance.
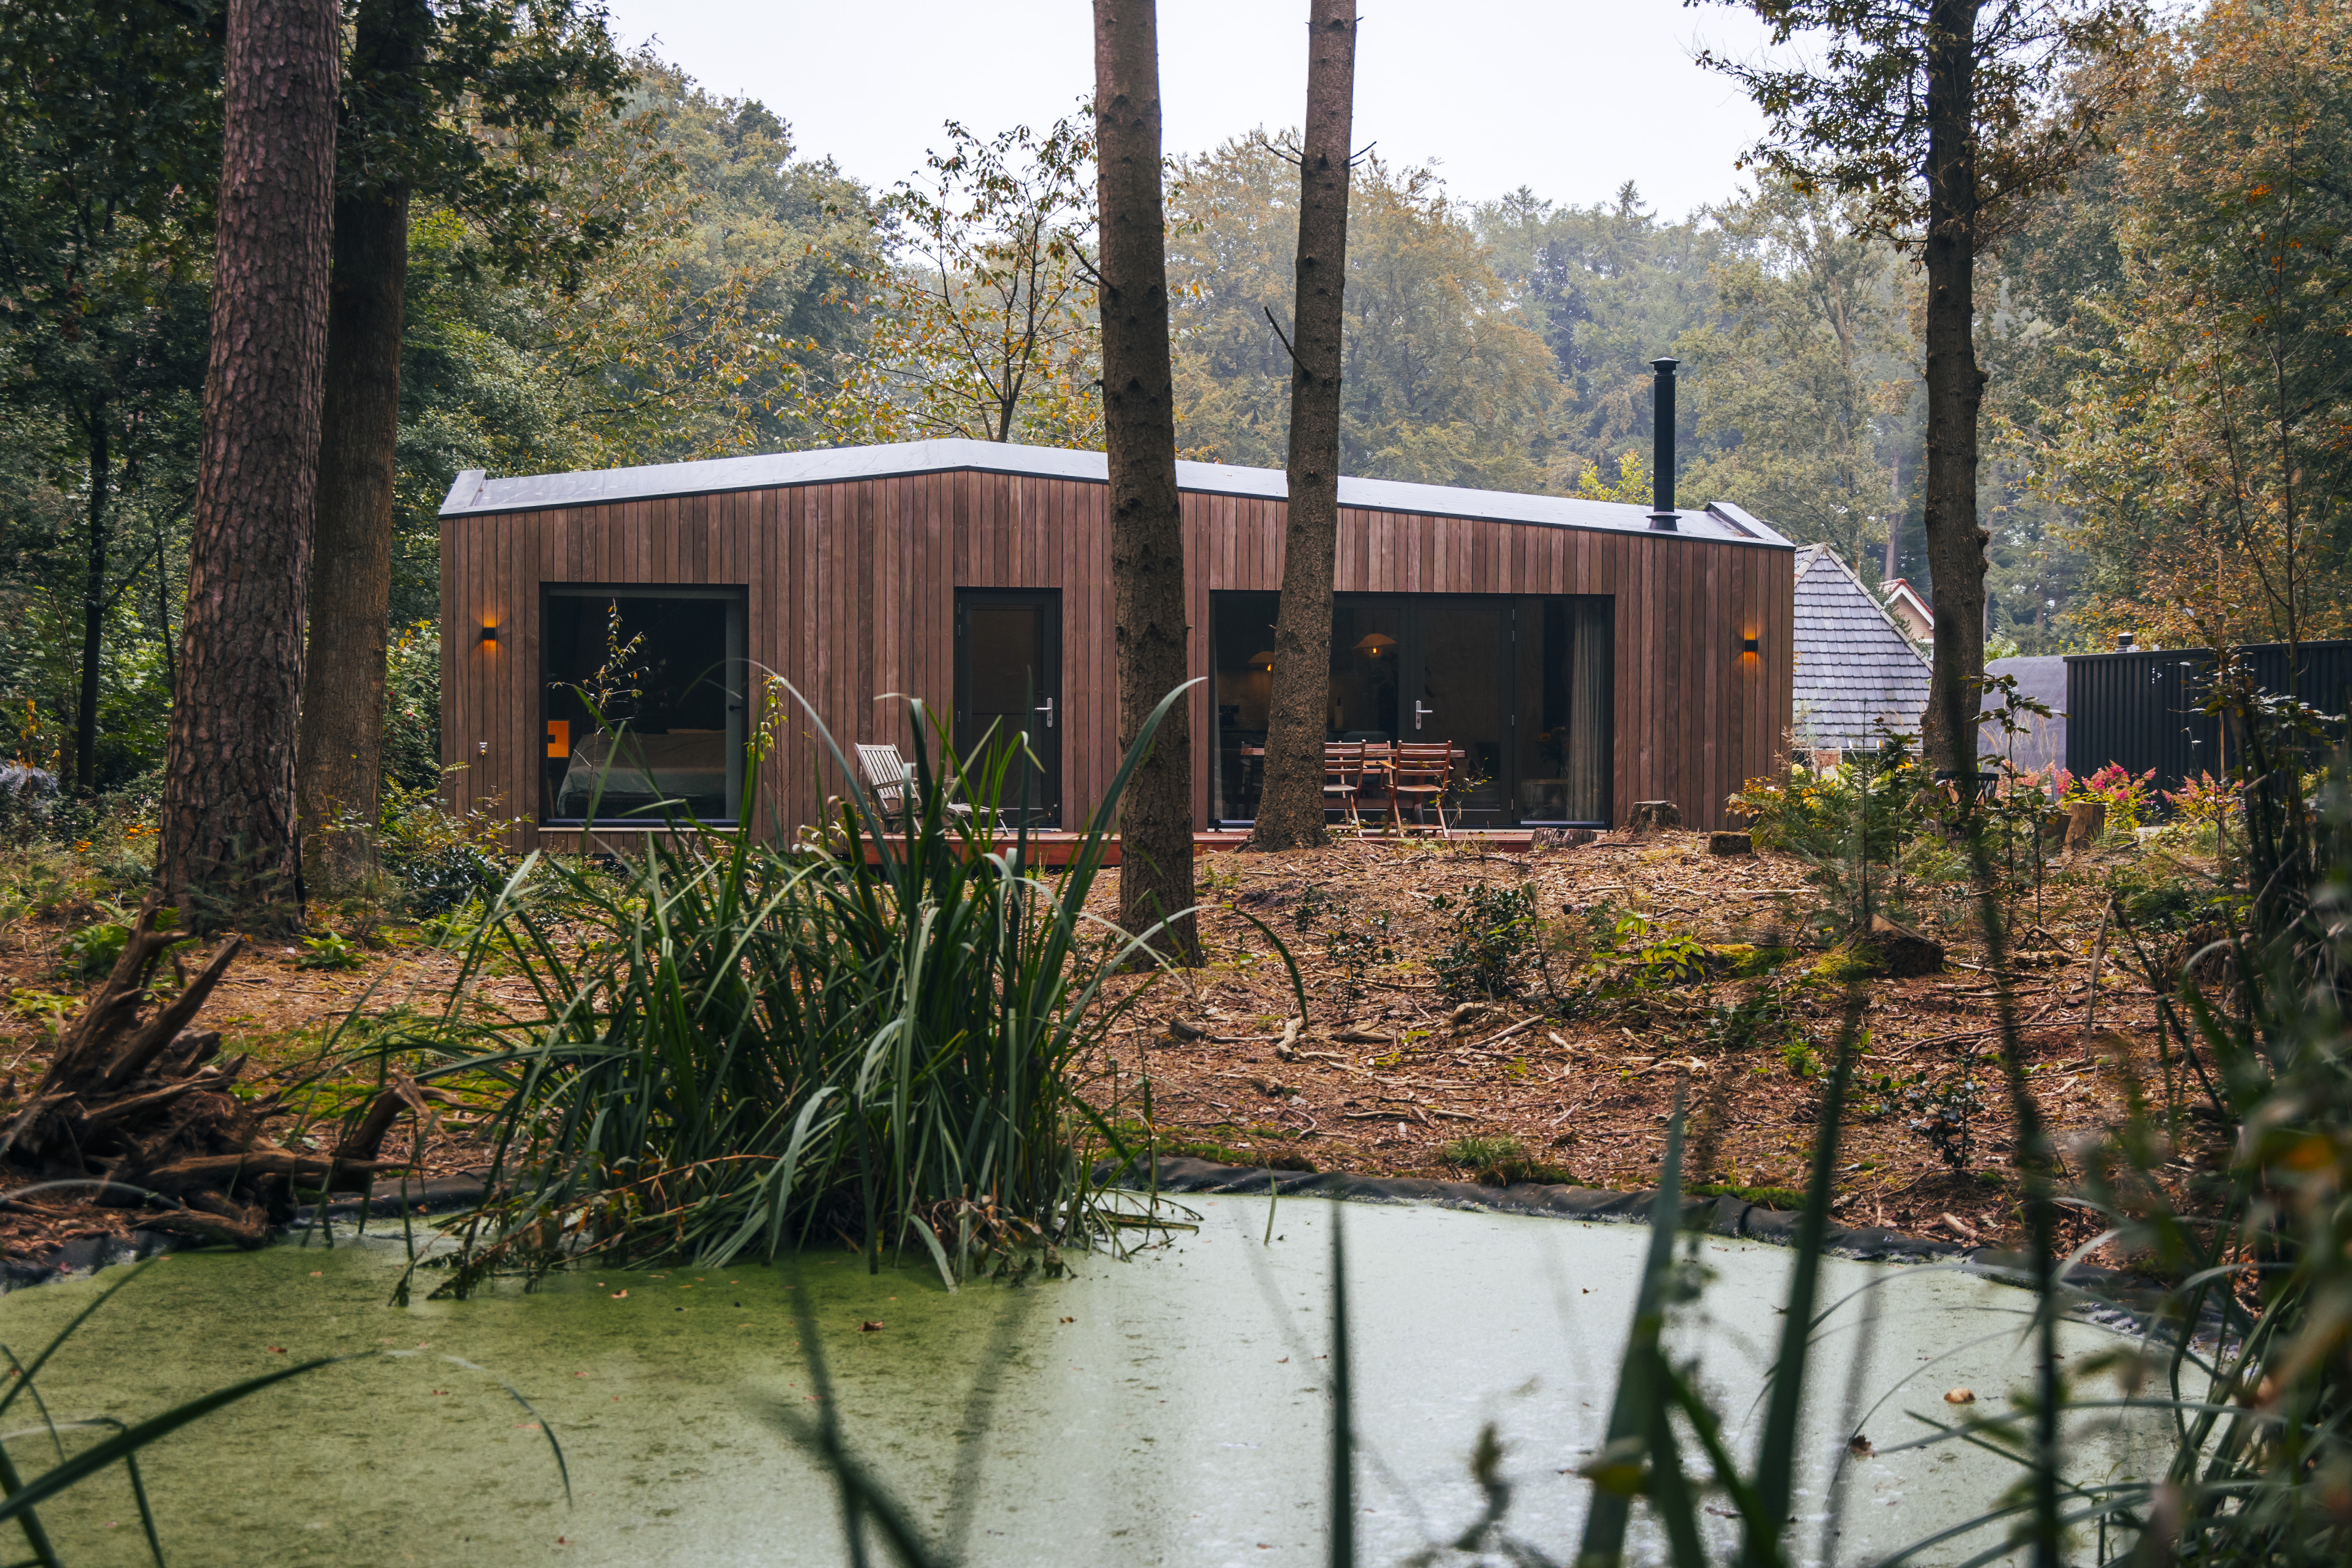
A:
(1008, 687)
(1456, 685)
(1518, 684)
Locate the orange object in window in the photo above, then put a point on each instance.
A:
(559, 737)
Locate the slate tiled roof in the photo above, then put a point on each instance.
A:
(1855, 666)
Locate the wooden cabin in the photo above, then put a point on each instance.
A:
(1579, 655)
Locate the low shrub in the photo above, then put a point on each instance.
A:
(1858, 827)
(735, 1046)
(434, 861)
(1491, 938)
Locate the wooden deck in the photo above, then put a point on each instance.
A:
(1056, 849)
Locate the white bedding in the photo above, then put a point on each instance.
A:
(688, 765)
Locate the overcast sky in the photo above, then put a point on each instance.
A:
(1569, 97)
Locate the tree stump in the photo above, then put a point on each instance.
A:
(135, 1108)
(1730, 844)
(2086, 821)
(1902, 951)
(1649, 816)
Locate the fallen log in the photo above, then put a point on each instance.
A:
(134, 1105)
(217, 1170)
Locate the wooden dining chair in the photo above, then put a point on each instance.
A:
(1418, 775)
(1343, 777)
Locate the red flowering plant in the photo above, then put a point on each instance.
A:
(2126, 794)
(2206, 802)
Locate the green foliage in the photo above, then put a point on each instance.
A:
(983, 328)
(1500, 1161)
(1811, 336)
(52, 1008)
(1857, 827)
(1354, 942)
(328, 950)
(1445, 381)
(91, 951)
(412, 709)
(1491, 936)
(1762, 1197)
(2156, 895)
(735, 1046)
(1949, 1112)
(1763, 1018)
(2198, 438)
(433, 862)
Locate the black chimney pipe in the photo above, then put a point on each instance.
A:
(1663, 516)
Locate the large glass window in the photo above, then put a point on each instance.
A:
(1518, 685)
(643, 692)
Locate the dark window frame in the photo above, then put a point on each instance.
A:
(1517, 626)
(737, 745)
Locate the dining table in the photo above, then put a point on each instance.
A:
(1380, 757)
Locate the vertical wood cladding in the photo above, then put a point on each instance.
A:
(851, 592)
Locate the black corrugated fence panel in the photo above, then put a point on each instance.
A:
(2140, 709)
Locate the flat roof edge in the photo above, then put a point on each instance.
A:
(473, 494)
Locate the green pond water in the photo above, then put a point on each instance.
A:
(1169, 1409)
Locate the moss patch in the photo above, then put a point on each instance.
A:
(1762, 1197)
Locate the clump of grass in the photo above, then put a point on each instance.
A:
(735, 1046)
(1500, 1161)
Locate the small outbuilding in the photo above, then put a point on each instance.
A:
(1857, 676)
(2039, 742)
(620, 630)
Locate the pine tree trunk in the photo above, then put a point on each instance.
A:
(341, 759)
(230, 846)
(1146, 537)
(1290, 808)
(1956, 544)
(93, 607)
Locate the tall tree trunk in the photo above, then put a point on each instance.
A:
(1956, 544)
(1290, 808)
(230, 845)
(1896, 506)
(1147, 533)
(93, 606)
(340, 758)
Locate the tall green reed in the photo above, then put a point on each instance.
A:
(738, 1045)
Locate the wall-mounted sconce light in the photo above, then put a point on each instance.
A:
(490, 634)
(1749, 645)
(482, 747)
(1262, 659)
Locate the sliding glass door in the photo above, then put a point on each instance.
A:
(1516, 685)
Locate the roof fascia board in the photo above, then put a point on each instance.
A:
(540, 492)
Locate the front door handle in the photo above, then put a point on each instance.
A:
(1419, 713)
(1046, 707)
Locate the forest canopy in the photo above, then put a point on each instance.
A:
(2167, 339)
